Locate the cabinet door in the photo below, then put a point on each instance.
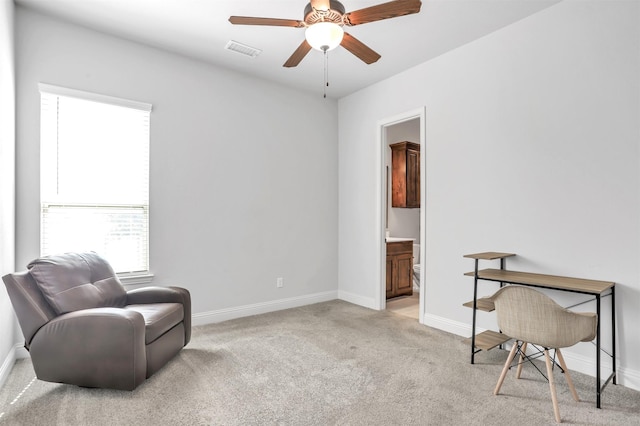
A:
(404, 264)
(413, 178)
(390, 273)
(398, 178)
(405, 174)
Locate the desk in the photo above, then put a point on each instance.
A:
(597, 289)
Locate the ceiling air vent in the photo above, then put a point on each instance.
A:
(242, 48)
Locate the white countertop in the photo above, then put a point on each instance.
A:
(398, 239)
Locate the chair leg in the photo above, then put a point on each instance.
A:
(512, 354)
(567, 376)
(552, 385)
(521, 363)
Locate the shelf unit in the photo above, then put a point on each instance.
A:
(488, 339)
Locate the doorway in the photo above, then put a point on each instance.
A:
(407, 225)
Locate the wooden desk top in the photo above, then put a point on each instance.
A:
(489, 255)
(548, 281)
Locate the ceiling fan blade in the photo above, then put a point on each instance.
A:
(320, 4)
(358, 48)
(298, 55)
(382, 11)
(249, 20)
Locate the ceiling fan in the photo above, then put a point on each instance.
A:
(326, 19)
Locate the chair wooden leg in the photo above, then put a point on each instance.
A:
(521, 363)
(567, 376)
(552, 386)
(512, 354)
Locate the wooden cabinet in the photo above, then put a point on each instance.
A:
(399, 268)
(405, 174)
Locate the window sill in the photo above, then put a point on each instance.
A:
(138, 279)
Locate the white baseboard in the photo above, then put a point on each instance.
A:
(356, 299)
(586, 365)
(16, 352)
(211, 317)
(5, 369)
(450, 326)
(628, 378)
(21, 352)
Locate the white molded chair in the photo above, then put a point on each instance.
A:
(529, 316)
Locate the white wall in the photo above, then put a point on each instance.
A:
(532, 137)
(243, 187)
(7, 183)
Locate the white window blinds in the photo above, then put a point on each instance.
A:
(95, 177)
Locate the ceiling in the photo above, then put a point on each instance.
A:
(200, 29)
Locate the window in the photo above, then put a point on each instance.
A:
(94, 177)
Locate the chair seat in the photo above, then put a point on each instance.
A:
(158, 318)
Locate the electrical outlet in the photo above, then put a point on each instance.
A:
(280, 282)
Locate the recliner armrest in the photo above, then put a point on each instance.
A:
(145, 295)
(100, 347)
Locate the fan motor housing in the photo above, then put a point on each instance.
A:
(334, 14)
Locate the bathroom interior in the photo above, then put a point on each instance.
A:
(403, 204)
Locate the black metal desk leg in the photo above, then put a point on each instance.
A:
(473, 323)
(598, 387)
(613, 333)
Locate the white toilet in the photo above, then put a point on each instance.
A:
(416, 267)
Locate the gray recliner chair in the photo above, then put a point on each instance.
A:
(83, 328)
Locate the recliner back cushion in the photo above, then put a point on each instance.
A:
(75, 281)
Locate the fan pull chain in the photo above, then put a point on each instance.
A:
(326, 72)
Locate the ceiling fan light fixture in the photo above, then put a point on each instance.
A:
(324, 36)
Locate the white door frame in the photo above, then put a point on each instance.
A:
(382, 143)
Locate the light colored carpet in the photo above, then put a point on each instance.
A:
(326, 364)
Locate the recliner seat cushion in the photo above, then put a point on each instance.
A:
(158, 318)
(75, 281)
